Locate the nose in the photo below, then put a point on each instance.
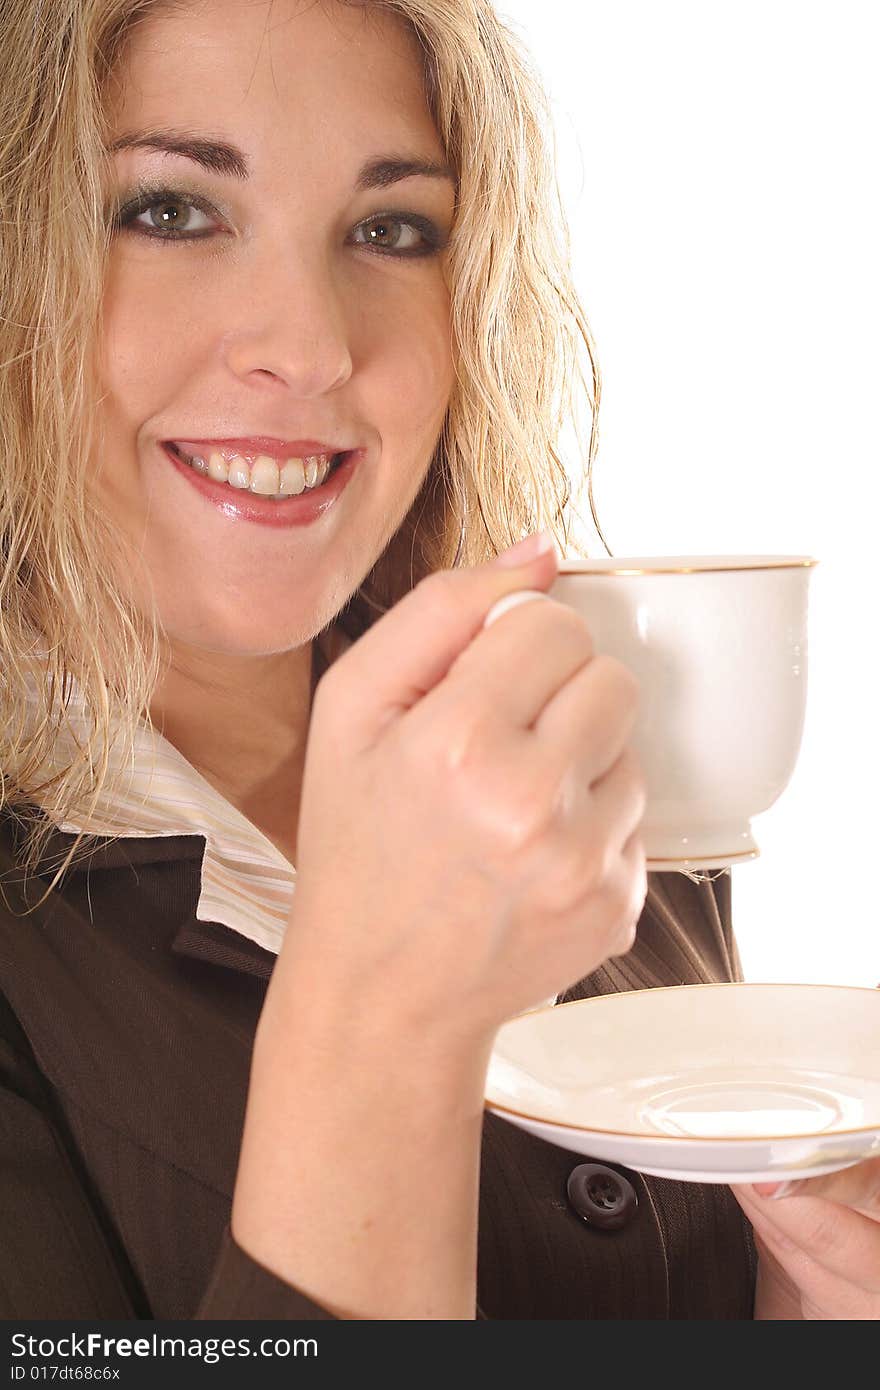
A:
(291, 328)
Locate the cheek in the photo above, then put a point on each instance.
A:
(409, 368)
(155, 338)
(146, 341)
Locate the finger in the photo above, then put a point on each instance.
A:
(857, 1186)
(635, 872)
(820, 1292)
(410, 649)
(619, 796)
(519, 662)
(843, 1242)
(590, 719)
(615, 808)
(811, 1291)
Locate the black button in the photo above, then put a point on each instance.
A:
(602, 1197)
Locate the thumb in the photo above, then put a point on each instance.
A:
(411, 648)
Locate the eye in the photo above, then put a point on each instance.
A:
(410, 235)
(166, 216)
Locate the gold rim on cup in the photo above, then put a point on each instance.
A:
(762, 562)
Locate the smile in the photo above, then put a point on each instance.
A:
(253, 489)
(263, 475)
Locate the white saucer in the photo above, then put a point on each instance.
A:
(704, 1083)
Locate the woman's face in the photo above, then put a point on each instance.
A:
(275, 313)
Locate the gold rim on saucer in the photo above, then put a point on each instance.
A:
(641, 1135)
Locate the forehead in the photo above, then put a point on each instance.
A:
(278, 70)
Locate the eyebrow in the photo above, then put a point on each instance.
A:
(220, 157)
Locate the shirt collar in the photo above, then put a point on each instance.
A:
(247, 884)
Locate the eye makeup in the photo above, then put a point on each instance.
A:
(125, 212)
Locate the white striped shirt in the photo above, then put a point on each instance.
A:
(246, 882)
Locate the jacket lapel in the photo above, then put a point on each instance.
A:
(206, 941)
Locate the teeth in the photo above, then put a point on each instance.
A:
(218, 468)
(263, 476)
(239, 474)
(292, 479)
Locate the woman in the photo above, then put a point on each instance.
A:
(287, 329)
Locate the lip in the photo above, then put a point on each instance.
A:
(254, 445)
(240, 505)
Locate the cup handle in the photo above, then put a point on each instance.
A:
(510, 601)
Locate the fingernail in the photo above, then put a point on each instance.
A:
(525, 550)
(787, 1189)
(774, 1190)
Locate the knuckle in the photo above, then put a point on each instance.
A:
(521, 828)
(626, 686)
(572, 875)
(634, 776)
(579, 869)
(456, 755)
(439, 589)
(635, 851)
(598, 862)
(629, 916)
(327, 693)
(627, 897)
(822, 1231)
(517, 833)
(574, 626)
(626, 937)
(442, 747)
(462, 745)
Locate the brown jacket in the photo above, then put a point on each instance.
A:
(126, 1029)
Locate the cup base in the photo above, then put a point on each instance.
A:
(699, 862)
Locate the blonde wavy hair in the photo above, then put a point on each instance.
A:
(526, 367)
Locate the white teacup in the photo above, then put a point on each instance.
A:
(718, 644)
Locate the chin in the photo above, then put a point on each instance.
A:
(226, 622)
(235, 639)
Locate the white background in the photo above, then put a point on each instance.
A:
(719, 168)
